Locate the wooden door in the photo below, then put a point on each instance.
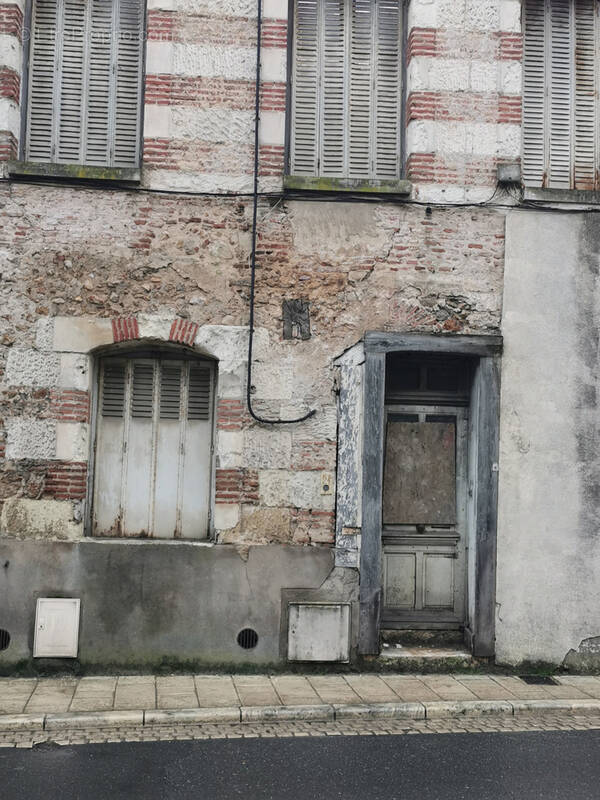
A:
(424, 516)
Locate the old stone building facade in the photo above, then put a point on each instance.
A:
(133, 475)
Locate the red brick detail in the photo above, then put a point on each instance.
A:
(183, 331)
(231, 414)
(66, 480)
(271, 159)
(8, 146)
(408, 316)
(159, 25)
(421, 42)
(510, 109)
(10, 84)
(272, 96)
(463, 107)
(446, 43)
(174, 90)
(274, 33)
(237, 486)
(125, 328)
(312, 527)
(11, 20)
(466, 171)
(70, 405)
(313, 455)
(511, 46)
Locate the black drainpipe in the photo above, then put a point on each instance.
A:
(253, 414)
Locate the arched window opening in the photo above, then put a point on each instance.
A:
(153, 445)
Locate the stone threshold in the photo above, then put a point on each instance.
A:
(441, 709)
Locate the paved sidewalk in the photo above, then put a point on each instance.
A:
(54, 703)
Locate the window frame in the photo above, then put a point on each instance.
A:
(303, 183)
(77, 172)
(154, 350)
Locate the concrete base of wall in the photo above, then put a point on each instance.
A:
(147, 603)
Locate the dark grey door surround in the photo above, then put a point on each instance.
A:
(483, 446)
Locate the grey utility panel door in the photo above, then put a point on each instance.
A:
(424, 510)
(153, 448)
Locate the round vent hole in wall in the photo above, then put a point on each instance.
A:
(247, 638)
(4, 639)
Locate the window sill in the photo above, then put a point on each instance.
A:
(78, 172)
(561, 196)
(304, 183)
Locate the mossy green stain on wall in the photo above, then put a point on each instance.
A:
(72, 171)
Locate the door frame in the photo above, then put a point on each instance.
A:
(483, 479)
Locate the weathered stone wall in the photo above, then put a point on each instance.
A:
(87, 267)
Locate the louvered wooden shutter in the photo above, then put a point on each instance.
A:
(85, 82)
(153, 448)
(170, 391)
(142, 396)
(346, 89)
(306, 78)
(199, 393)
(113, 389)
(560, 107)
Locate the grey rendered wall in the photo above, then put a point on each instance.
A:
(142, 603)
(548, 590)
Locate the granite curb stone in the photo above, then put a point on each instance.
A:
(192, 715)
(318, 713)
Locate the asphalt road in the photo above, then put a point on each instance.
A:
(496, 766)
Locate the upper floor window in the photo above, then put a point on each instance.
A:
(346, 111)
(85, 82)
(561, 121)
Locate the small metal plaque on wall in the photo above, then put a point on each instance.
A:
(296, 319)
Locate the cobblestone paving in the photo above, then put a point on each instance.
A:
(525, 722)
(147, 692)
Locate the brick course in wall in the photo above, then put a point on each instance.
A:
(312, 527)
(463, 107)
(66, 480)
(232, 414)
(10, 84)
(11, 20)
(236, 486)
(464, 44)
(70, 405)
(9, 146)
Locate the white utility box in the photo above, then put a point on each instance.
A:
(56, 627)
(319, 632)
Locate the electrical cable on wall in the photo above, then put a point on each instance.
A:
(255, 196)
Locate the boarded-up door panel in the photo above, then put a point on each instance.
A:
(419, 475)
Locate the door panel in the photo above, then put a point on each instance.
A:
(400, 573)
(168, 452)
(438, 581)
(196, 480)
(424, 516)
